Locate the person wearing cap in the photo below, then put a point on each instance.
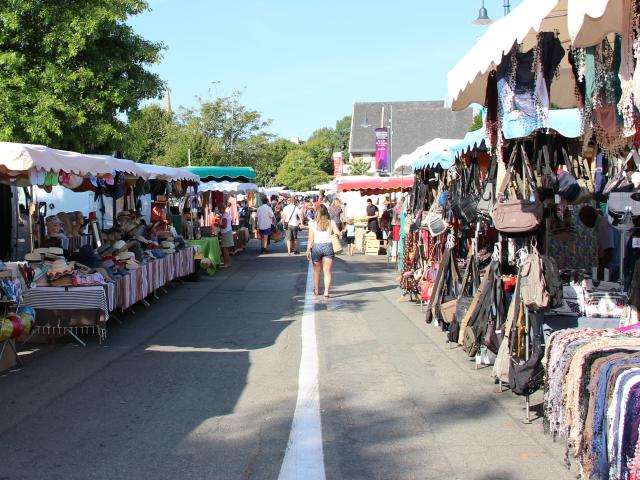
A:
(226, 234)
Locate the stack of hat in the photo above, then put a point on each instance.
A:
(128, 260)
(33, 257)
(51, 254)
(60, 272)
(168, 247)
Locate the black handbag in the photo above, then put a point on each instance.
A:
(527, 378)
(487, 199)
(469, 204)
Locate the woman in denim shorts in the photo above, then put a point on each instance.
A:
(320, 248)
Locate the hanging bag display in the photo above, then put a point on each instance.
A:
(518, 216)
(547, 180)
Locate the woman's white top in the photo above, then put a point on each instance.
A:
(321, 236)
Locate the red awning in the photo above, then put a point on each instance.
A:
(376, 185)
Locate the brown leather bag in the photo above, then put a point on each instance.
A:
(518, 216)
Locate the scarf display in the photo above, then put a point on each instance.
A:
(592, 394)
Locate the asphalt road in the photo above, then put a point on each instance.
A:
(204, 383)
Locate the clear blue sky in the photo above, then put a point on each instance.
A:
(304, 63)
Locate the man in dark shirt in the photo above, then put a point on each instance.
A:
(372, 218)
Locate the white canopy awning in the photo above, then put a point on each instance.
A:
(18, 158)
(437, 144)
(468, 79)
(589, 21)
(229, 187)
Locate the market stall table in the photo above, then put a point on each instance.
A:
(70, 310)
(210, 248)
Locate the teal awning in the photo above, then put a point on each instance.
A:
(231, 174)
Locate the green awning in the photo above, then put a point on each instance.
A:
(232, 174)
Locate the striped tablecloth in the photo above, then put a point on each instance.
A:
(68, 298)
(153, 275)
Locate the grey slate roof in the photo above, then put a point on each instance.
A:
(414, 124)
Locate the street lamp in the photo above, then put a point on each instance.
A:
(483, 16)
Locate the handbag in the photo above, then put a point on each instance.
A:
(517, 216)
(336, 243)
(488, 197)
(568, 187)
(621, 203)
(526, 378)
(547, 180)
(433, 220)
(469, 204)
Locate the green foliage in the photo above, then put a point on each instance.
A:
(300, 171)
(476, 123)
(359, 168)
(69, 70)
(148, 134)
(325, 141)
(271, 157)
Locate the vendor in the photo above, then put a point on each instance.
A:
(608, 241)
(372, 218)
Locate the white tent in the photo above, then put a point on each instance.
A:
(403, 164)
(580, 23)
(18, 158)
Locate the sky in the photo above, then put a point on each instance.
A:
(302, 64)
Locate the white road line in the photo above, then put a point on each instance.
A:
(304, 458)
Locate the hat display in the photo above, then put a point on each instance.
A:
(33, 257)
(87, 256)
(60, 268)
(41, 251)
(162, 199)
(107, 263)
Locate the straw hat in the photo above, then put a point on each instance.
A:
(160, 199)
(132, 265)
(124, 256)
(119, 246)
(55, 251)
(60, 267)
(167, 244)
(41, 251)
(33, 257)
(51, 219)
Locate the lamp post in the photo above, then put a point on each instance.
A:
(483, 16)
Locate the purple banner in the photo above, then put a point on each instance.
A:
(382, 148)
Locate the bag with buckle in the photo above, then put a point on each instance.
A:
(526, 378)
(469, 204)
(487, 199)
(517, 216)
(433, 221)
(541, 287)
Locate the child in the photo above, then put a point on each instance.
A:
(351, 236)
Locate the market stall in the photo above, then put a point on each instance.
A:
(522, 240)
(75, 274)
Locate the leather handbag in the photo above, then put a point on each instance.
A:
(518, 216)
(487, 199)
(469, 203)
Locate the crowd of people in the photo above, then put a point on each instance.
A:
(325, 220)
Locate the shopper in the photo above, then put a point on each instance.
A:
(292, 217)
(336, 212)
(372, 218)
(351, 236)
(385, 221)
(226, 234)
(265, 219)
(608, 241)
(320, 248)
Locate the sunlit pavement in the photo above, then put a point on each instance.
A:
(203, 384)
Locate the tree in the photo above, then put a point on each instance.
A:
(342, 135)
(299, 171)
(69, 70)
(148, 134)
(359, 168)
(271, 157)
(476, 123)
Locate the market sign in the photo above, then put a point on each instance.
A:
(382, 148)
(337, 164)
